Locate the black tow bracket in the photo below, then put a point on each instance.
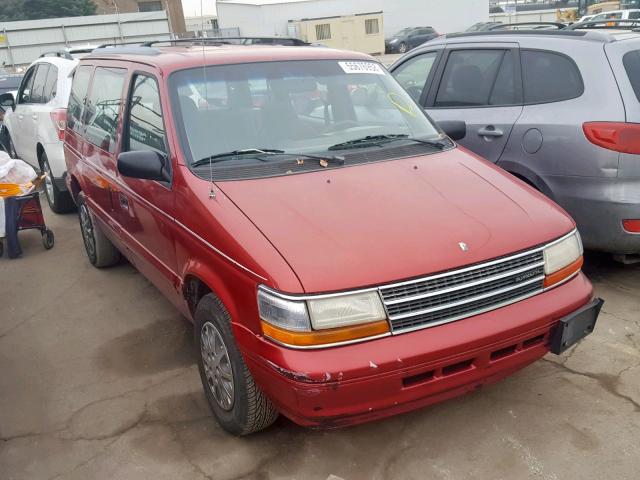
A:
(575, 326)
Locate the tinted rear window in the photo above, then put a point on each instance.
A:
(631, 62)
(549, 77)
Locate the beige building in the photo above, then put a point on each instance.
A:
(361, 32)
(172, 7)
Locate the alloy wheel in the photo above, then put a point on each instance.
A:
(48, 182)
(217, 366)
(87, 231)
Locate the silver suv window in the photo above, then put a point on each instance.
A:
(478, 78)
(413, 74)
(549, 77)
(631, 61)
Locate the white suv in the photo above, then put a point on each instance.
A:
(37, 124)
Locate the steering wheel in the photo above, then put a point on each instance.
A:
(343, 124)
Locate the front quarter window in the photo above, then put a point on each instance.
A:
(145, 124)
(413, 74)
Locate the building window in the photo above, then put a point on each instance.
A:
(323, 31)
(371, 26)
(155, 6)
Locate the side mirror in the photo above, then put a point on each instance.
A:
(7, 101)
(146, 165)
(455, 129)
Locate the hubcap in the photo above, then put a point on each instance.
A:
(48, 181)
(87, 231)
(217, 367)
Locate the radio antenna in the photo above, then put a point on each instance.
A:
(212, 192)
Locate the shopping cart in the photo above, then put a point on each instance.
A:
(23, 212)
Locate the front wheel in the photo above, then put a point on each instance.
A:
(403, 48)
(235, 400)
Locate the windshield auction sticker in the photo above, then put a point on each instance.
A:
(361, 67)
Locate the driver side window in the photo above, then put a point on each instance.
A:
(24, 94)
(412, 75)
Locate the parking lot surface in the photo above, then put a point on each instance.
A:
(98, 381)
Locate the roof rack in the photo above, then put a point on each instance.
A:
(633, 25)
(506, 26)
(57, 53)
(233, 41)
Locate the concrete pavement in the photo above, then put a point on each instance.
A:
(98, 381)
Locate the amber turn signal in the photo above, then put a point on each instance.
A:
(324, 337)
(563, 273)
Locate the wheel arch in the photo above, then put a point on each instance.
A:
(200, 281)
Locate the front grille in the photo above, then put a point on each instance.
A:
(462, 293)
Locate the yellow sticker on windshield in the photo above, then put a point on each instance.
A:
(398, 102)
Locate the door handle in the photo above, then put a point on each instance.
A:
(20, 117)
(34, 116)
(490, 131)
(123, 200)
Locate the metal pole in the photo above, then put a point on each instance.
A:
(64, 35)
(6, 37)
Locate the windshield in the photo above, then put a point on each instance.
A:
(403, 32)
(310, 107)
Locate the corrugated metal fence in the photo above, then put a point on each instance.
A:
(22, 42)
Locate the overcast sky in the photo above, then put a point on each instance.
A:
(192, 7)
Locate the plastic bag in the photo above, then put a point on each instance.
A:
(15, 171)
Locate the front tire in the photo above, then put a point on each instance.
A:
(101, 252)
(235, 401)
(59, 201)
(403, 48)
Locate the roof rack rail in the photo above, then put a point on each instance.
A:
(288, 41)
(57, 53)
(629, 24)
(506, 26)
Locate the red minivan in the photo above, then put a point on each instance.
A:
(341, 257)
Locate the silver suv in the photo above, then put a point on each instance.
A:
(560, 109)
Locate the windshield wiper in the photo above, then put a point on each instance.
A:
(379, 140)
(261, 153)
(223, 157)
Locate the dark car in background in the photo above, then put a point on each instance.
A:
(9, 82)
(409, 38)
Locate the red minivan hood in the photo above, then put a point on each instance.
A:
(381, 222)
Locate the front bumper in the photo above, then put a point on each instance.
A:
(598, 205)
(362, 382)
(391, 47)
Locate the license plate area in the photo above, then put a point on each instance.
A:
(575, 327)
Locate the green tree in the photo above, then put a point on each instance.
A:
(37, 9)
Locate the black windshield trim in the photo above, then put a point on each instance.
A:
(290, 167)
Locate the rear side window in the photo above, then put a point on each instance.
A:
(145, 124)
(103, 107)
(413, 74)
(631, 62)
(50, 85)
(478, 78)
(77, 98)
(549, 77)
(37, 90)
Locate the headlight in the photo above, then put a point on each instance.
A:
(562, 259)
(321, 321)
(346, 310)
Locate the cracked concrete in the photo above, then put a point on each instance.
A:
(98, 381)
